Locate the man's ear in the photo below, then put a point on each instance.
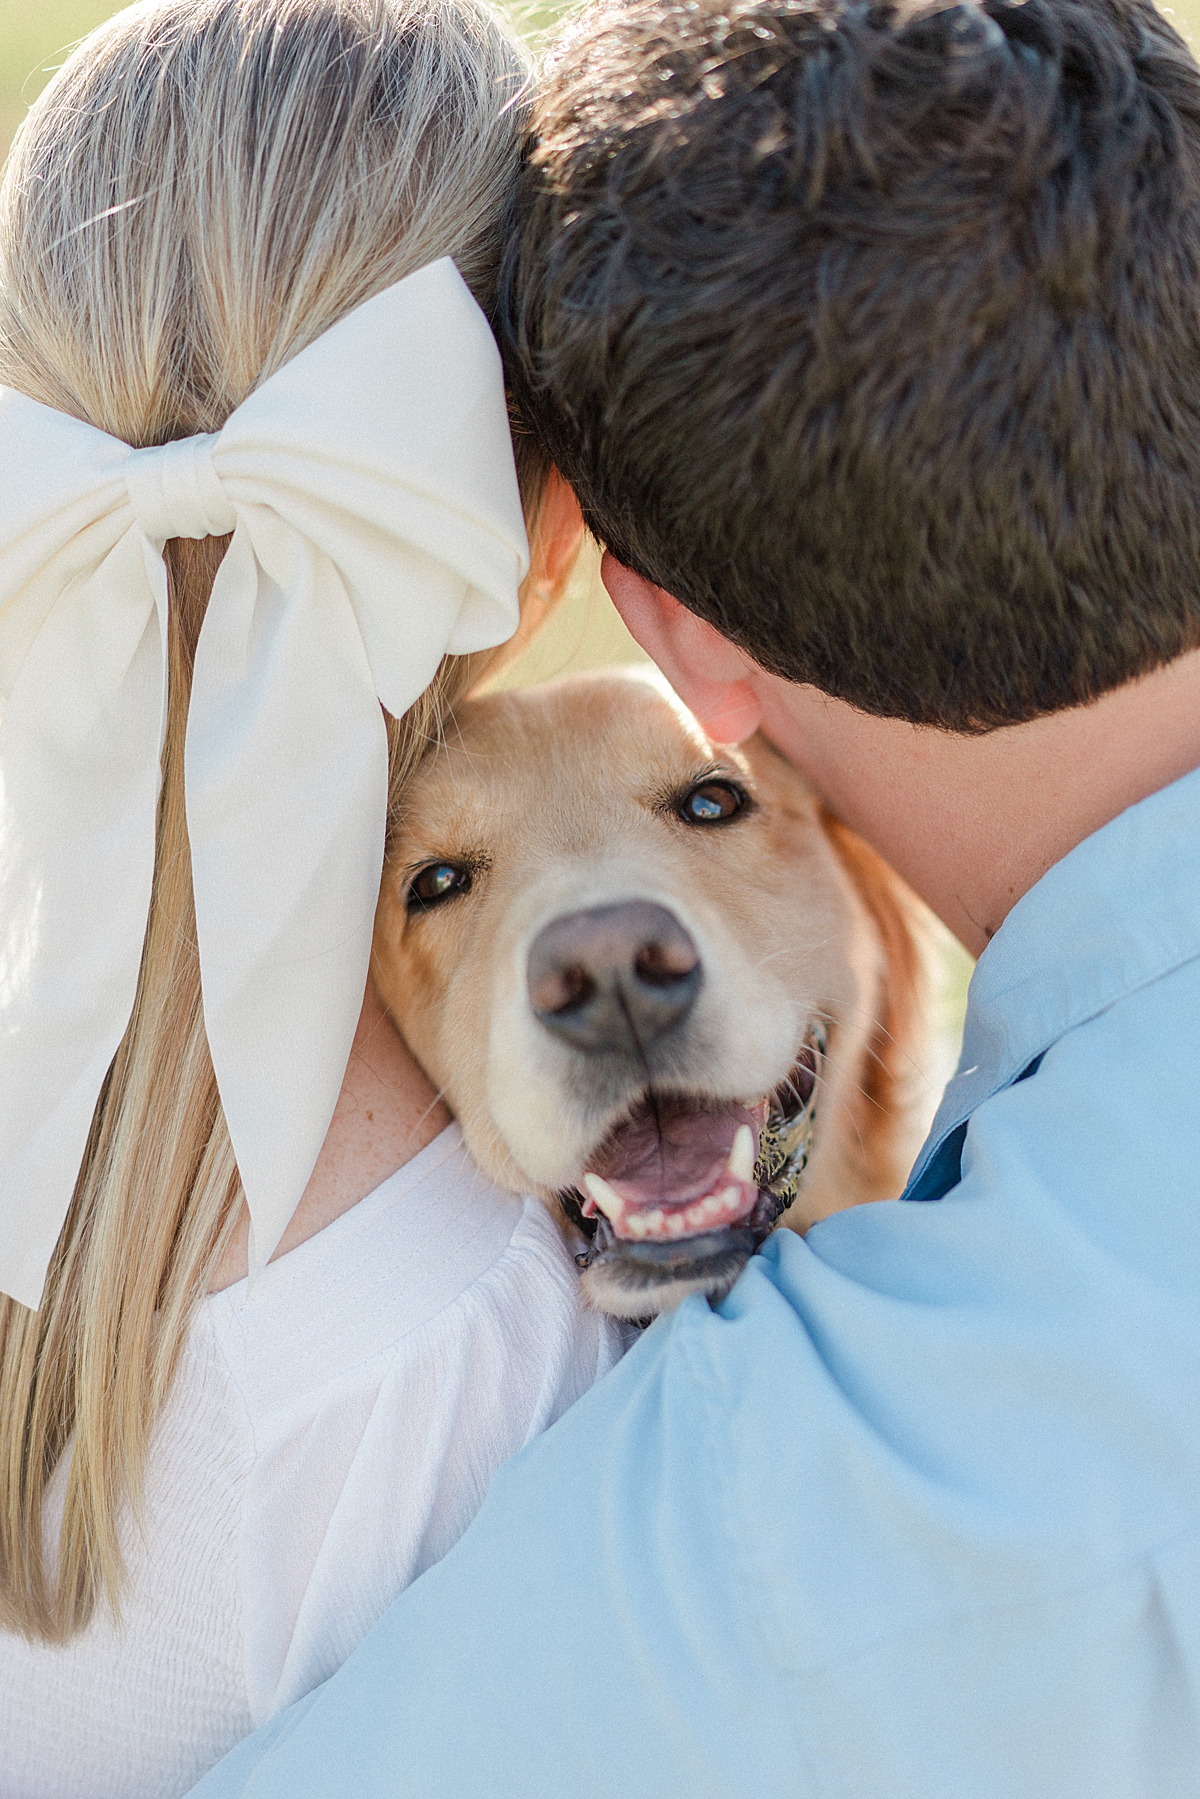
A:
(709, 673)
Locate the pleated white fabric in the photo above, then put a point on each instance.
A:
(370, 489)
(330, 1432)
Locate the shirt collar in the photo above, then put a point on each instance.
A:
(1120, 909)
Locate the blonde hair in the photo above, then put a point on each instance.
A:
(203, 189)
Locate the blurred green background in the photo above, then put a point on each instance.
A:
(35, 35)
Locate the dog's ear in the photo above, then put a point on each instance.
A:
(897, 1053)
(887, 1090)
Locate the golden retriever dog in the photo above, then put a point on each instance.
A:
(656, 983)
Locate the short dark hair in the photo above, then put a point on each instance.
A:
(875, 337)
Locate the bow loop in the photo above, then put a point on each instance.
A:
(175, 490)
(370, 490)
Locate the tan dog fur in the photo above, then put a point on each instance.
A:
(559, 798)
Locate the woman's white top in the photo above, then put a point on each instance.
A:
(331, 1432)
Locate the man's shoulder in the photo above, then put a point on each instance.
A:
(998, 1338)
(1016, 1363)
(916, 1507)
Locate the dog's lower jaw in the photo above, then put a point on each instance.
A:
(635, 1286)
(636, 1279)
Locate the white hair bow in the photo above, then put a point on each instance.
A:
(370, 490)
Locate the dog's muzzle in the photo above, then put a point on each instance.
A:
(710, 1258)
(682, 1188)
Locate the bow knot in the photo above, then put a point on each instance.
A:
(176, 492)
(370, 489)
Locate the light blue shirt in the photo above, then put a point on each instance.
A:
(914, 1513)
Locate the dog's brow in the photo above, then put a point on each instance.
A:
(478, 861)
(667, 796)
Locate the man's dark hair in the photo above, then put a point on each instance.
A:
(874, 336)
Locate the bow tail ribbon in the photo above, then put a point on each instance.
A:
(80, 742)
(376, 524)
(287, 799)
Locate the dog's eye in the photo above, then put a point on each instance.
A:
(439, 881)
(711, 803)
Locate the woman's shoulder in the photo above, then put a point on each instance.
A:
(359, 1287)
(438, 1267)
(389, 1364)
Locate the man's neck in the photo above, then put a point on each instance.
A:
(973, 822)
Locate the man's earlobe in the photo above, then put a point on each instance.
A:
(709, 673)
(729, 713)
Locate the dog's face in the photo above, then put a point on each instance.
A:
(636, 966)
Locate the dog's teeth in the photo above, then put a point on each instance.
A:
(606, 1197)
(730, 1198)
(741, 1156)
(637, 1225)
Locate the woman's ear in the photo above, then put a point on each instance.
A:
(555, 536)
(555, 539)
(709, 673)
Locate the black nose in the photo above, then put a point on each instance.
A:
(614, 978)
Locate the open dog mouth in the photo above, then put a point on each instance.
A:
(682, 1180)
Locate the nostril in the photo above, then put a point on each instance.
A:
(613, 979)
(666, 962)
(561, 990)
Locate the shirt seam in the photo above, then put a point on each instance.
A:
(1092, 1007)
(1010, 1065)
(393, 1344)
(357, 1218)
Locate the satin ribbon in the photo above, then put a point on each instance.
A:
(370, 490)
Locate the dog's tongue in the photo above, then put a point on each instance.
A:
(674, 1171)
